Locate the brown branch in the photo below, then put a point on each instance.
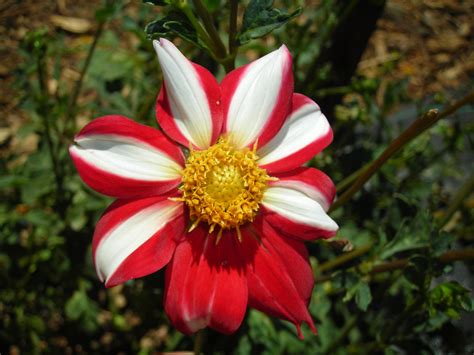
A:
(459, 197)
(446, 258)
(413, 131)
(344, 258)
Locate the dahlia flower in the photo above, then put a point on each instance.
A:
(220, 195)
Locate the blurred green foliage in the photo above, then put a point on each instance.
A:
(50, 298)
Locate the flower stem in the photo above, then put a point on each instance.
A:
(461, 194)
(350, 179)
(446, 258)
(234, 9)
(210, 28)
(208, 33)
(344, 258)
(199, 341)
(71, 107)
(184, 6)
(414, 130)
(44, 113)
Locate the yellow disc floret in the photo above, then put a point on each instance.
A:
(223, 186)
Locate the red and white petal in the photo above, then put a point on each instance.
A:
(121, 158)
(280, 278)
(188, 108)
(206, 284)
(313, 182)
(297, 204)
(257, 98)
(135, 238)
(304, 134)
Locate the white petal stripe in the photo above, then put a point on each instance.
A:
(303, 127)
(298, 207)
(188, 101)
(255, 97)
(128, 236)
(126, 157)
(307, 189)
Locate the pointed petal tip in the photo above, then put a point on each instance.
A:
(74, 151)
(332, 229)
(282, 53)
(164, 44)
(108, 284)
(284, 48)
(335, 226)
(311, 325)
(285, 53)
(298, 331)
(160, 45)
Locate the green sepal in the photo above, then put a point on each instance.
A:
(260, 18)
(172, 25)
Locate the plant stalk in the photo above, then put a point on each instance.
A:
(350, 179)
(461, 194)
(199, 340)
(345, 258)
(234, 9)
(71, 108)
(200, 30)
(210, 28)
(414, 130)
(44, 113)
(446, 258)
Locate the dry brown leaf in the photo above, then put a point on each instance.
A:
(71, 24)
(446, 41)
(5, 134)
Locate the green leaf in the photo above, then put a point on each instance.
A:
(244, 347)
(80, 308)
(262, 330)
(417, 233)
(363, 296)
(449, 298)
(9, 181)
(212, 5)
(260, 18)
(412, 234)
(356, 287)
(172, 25)
(109, 11)
(75, 305)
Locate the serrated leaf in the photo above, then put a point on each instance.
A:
(419, 232)
(172, 25)
(449, 298)
(260, 18)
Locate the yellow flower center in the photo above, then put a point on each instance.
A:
(223, 186)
